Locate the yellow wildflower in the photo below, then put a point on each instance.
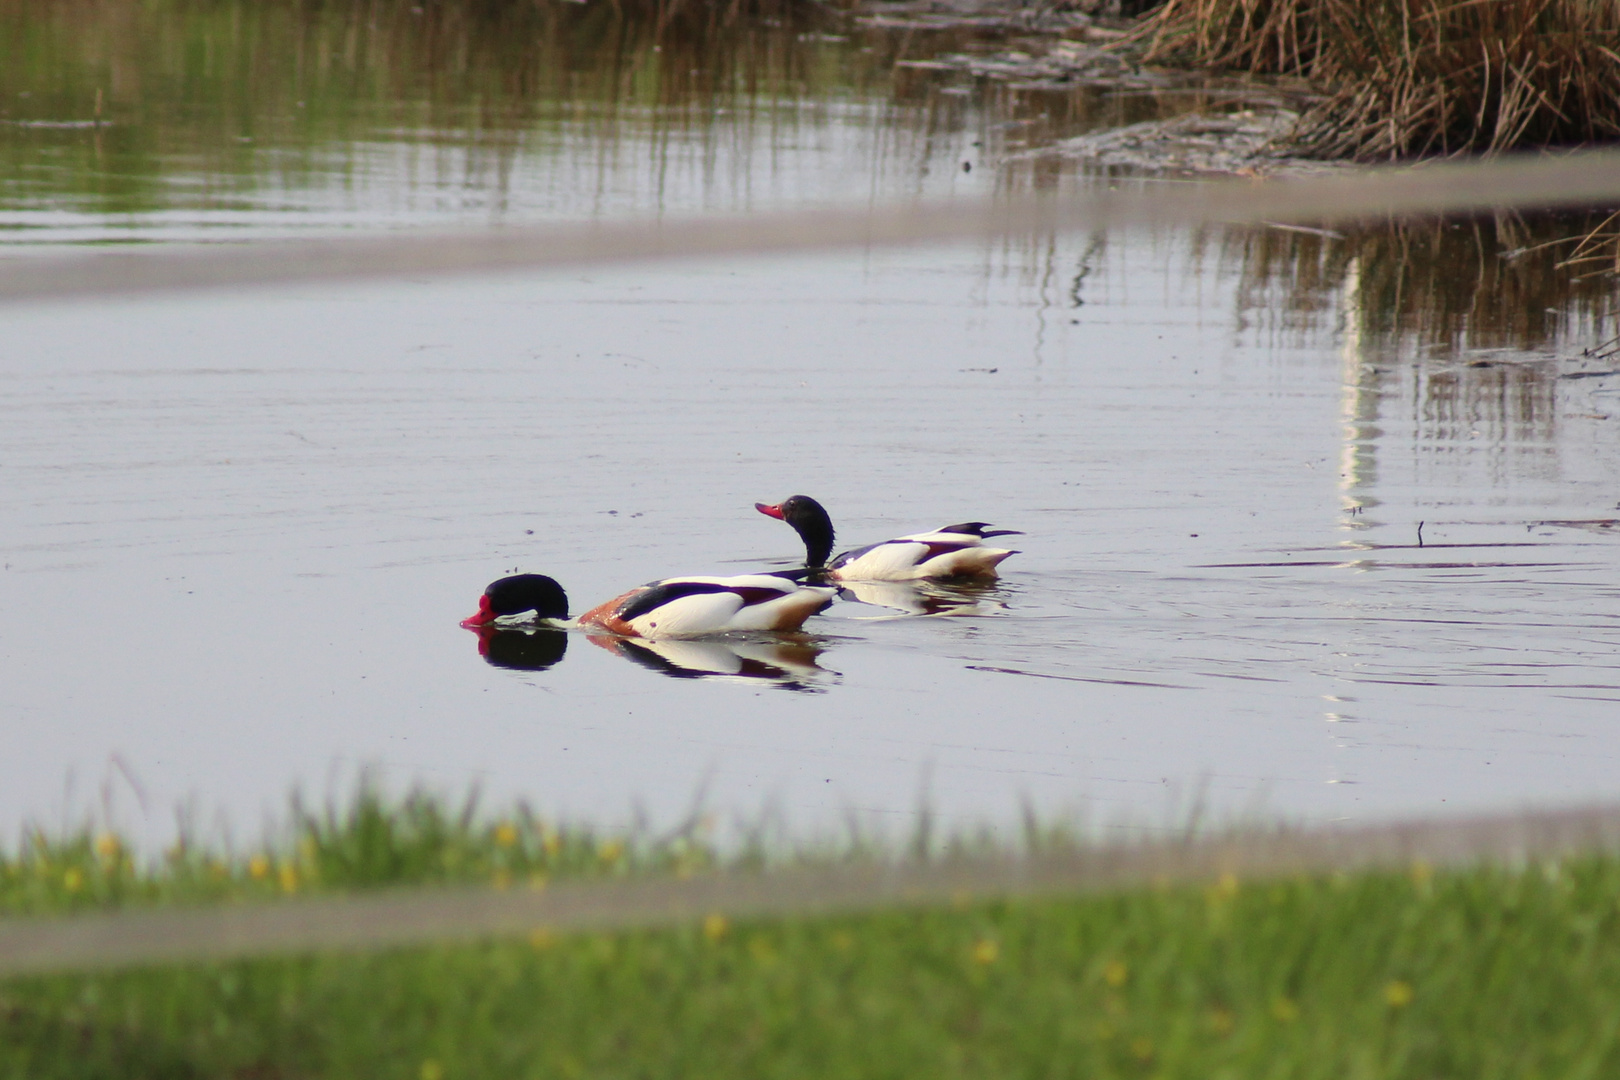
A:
(985, 951)
(258, 867)
(1115, 973)
(506, 834)
(715, 926)
(1398, 993)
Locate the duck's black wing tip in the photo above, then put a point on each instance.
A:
(982, 529)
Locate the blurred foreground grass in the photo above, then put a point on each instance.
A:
(1485, 972)
(373, 841)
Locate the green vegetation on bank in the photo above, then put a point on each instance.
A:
(373, 841)
(1488, 972)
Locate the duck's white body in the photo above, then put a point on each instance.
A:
(698, 605)
(674, 607)
(938, 554)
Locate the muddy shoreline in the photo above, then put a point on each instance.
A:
(1243, 132)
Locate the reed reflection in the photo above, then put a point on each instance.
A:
(103, 106)
(248, 114)
(1462, 333)
(1432, 287)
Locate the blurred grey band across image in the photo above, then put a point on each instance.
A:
(1579, 179)
(420, 916)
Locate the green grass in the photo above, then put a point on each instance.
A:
(371, 842)
(1483, 973)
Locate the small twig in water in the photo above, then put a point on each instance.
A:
(1420, 534)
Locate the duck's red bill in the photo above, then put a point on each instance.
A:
(485, 615)
(770, 511)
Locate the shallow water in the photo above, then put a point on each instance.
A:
(240, 529)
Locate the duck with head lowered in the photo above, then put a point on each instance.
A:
(675, 607)
(957, 551)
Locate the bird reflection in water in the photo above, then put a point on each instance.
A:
(788, 662)
(522, 648)
(935, 598)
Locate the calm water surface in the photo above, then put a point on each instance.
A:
(239, 530)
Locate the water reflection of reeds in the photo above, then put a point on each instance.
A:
(1453, 285)
(121, 96)
(1457, 335)
(125, 109)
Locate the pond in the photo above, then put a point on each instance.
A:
(1317, 524)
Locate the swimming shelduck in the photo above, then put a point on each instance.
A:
(953, 551)
(675, 607)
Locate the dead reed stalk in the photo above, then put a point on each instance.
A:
(1407, 78)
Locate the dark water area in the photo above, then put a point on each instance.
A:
(1318, 523)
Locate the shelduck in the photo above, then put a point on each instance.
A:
(674, 607)
(952, 551)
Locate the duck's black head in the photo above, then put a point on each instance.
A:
(810, 521)
(518, 595)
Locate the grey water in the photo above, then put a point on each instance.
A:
(1284, 554)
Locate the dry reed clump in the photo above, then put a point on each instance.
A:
(1405, 78)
